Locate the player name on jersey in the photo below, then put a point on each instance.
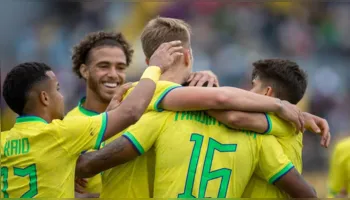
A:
(198, 116)
(16, 147)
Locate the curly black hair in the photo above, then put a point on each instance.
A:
(95, 39)
(288, 80)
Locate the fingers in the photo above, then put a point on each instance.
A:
(175, 49)
(202, 80)
(211, 82)
(168, 45)
(195, 79)
(118, 96)
(191, 77)
(177, 55)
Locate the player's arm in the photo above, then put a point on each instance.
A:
(135, 104)
(117, 152)
(275, 167)
(295, 185)
(135, 141)
(229, 98)
(88, 132)
(336, 176)
(257, 122)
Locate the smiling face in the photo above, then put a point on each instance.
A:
(106, 71)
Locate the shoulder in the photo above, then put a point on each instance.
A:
(74, 112)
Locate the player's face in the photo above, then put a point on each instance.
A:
(56, 104)
(107, 68)
(258, 86)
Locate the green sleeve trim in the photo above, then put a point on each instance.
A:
(269, 124)
(281, 173)
(102, 132)
(134, 141)
(161, 97)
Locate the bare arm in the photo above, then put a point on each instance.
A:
(295, 185)
(223, 98)
(132, 108)
(117, 152)
(256, 122)
(230, 98)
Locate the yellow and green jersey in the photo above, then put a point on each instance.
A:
(292, 145)
(198, 157)
(94, 184)
(39, 158)
(132, 179)
(339, 171)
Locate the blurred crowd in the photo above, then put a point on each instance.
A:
(227, 38)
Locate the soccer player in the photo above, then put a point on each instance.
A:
(101, 59)
(338, 180)
(171, 133)
(40, 151)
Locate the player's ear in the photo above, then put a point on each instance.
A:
(44, 98)
(83, 71)
(269, 91)
(187, 57)
(147, 61)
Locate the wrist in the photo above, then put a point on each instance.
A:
(153, 73)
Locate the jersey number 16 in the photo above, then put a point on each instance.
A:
(207, 174)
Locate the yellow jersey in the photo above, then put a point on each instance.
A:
(198, 157)
(339, 171)
(134, 179)
(39, 158)
(94, 184)
(292, 145)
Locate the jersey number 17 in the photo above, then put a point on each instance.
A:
(207, 175)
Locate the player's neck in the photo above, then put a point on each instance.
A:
(94, 103)
(175, 75)
(39, 113)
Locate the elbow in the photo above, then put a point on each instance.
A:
(222, 99)
(134, 113)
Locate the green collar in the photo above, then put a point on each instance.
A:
(84, 110)
(30, 118)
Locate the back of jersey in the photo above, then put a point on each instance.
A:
(30, 156)
(197, 157)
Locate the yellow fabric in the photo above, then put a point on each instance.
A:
(292, 145)
(39, 159)
(339, 171)
(94, 184)
(134, 179)
(215, 161)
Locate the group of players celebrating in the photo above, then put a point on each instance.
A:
(160, 137)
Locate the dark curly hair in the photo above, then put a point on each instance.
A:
(97, 39)
(20, 80)
(287, 79)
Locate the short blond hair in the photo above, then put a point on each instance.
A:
(162, 29)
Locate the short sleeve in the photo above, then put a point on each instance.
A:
(273, 163)
(81, 133)
(162, 89)
(337, 171)
(146, 131)
(278, 127)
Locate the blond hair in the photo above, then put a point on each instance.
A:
(162, 29)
